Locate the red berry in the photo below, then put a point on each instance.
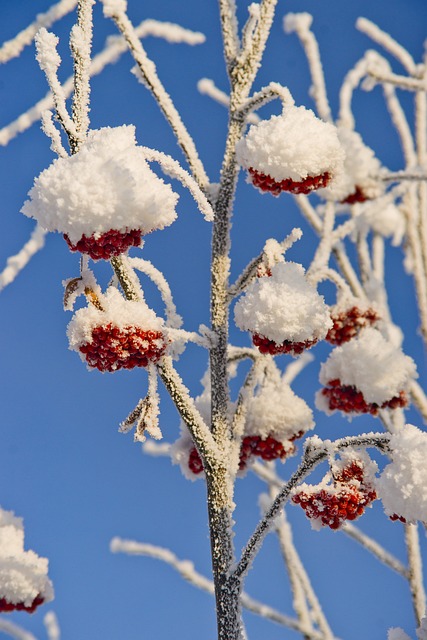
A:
(347, 324)
(287, 346)
(267, 183)
(6, 606)
(195, 463)
(348, 399)
(108, 244)
(395, 517)
(357, 196)
(112, 348)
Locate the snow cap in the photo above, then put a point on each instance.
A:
(106, 185)
(402, 484)
(360, 167)
(116, 310)
(284, 306)
(294, 145)
(371, 364)
(23, 574)
(275, 410)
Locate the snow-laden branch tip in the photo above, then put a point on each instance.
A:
(187, 571)
(51, 624)
(116, 46)
(13, 48)
(81, 45)
(300, 23)
(173, 169)
(14, 631)
(16, 263)
(388, 43)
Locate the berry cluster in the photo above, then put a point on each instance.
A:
(267, 183)
(287, 346)
(112, 348)
(346, 499)
(395, 517)
(108, 244)
(348, 399)
(357, 196)
(265, 448)
(6, 606)
(347, 324)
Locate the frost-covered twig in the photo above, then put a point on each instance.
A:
(415, 566)
(51, 131)
(294, 368)
(16, 263)
(207, 87)
(323, 251)
(273, 252)
(80, 45)
(403, 82)
(14, 631)
(300, 23)
(49, 61)
(376, 549)
(230, 38)
(174, 320)
(350, 83)
(419, 398)
(315, 452)
(173, 169)
(267, 94)
(388, 43)
(186, 569)
(52, 626)
(148, 72)
(13, 48)
(116, 46)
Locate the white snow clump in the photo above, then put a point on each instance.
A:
(402, 484)
(106, 185)
(284, 306)
(294, 145)
(371, 364)
(23, 574)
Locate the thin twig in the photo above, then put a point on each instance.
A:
(415, 571)
(376, 549)
(16, 263)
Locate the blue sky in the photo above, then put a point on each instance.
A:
(64, 467)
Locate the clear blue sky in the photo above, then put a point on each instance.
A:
(64, 467)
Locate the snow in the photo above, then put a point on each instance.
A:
(275, 410)
(371, 364)
(23, 574)
(384, 218)
(360, 168)
(402, 484)
(116, 310)
(283, 307)
(294, 145)
(47, 55)
(396, 633)
(106, 185)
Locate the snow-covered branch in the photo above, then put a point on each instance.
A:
(16, 263)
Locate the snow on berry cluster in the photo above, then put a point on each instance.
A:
(103, 197)
(293, 152)
(24, 584)
(359, 181)
(364, 375)
(275, 418)
(117, 334)
(283, 312)
(347, 322)
(402, 483)
(343, 494)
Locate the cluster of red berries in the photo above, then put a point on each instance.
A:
(395, 517)
(348, 399)
(287, 346)
(331, 506)
(112, 348)
(267, 183)
(357, 196)
(265, 448)
(347, 324)
(6, 606)
(108, 244)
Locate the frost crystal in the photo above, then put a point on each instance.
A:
(368, 364)
(24, 584)
(283, 307)
(402, 484)
(106, 186)
(359, 180)
(295, 145)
